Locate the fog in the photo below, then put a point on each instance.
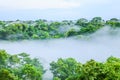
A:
(99, 46)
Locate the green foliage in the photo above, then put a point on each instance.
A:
(97, 21)
(19, 67)
(89, 29)
(114, 22)
(56, 78)
(82, 22)
(22, 67)
(30, 72)
(42, 29)
(69, 69)
(71, 32)
(7, 75)
(3, 57)
(63, 68)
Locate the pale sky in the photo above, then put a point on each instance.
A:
(58, 9)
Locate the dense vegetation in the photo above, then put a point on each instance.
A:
(19, 67)
(22, 67)
(43, 29)
(70, 69)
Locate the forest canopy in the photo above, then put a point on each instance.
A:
(70, 69)
(19, 67)
(43, 29)
(22, 67)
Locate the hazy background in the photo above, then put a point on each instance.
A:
(58, 9)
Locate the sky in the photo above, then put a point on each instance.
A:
(58, 9)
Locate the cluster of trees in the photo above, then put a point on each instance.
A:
(19, 67)
(22, 67)
(43, 29)
(70, 69)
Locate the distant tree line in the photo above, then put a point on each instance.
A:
(22, 67)
(43, 29)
